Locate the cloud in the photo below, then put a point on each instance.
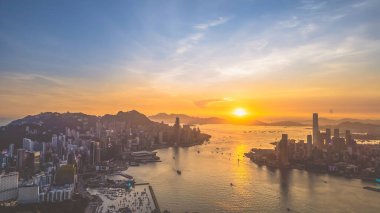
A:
(204, 103)
(288, 23)
(312, 5)
(307, 29)
(188, 42)
(212, 23)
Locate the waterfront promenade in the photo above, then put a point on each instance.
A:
(138, 199)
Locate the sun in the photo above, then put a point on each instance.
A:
(240, 112)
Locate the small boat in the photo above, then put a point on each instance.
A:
(132, 163)
(231, 184)
(372, 188)
(179, 172)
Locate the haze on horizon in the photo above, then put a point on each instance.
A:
(205, 58)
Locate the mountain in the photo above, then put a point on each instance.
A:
(331, 122)
(42, 126)
(134, 117)
(186, 119)
(358, 127)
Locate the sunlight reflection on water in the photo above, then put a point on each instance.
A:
(205, 182)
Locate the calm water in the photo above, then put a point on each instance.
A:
(204, 185)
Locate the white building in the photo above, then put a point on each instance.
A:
(57, 194)
(42, 179)
(8, 186)
(54, 142)
(28, 194)
(42, 197)
(28, 144)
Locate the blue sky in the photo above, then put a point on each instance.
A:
(136, 51)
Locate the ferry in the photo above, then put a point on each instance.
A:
(145, 156)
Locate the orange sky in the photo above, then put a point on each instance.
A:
(282, 61)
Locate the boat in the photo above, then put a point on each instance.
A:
(144, 156)
(179, 172)
(372, 188)
(132, 163)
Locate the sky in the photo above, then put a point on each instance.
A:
(275, 59)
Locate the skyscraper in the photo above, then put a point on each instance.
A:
(283, 151)
(54, 142)
(328, 136)
(28, 144)
(11, 149)
(98, 155)
(309, 146)
(336, 133)
(316, 141)
(177, 131)
(348, 137)
(20, 158)
(93, 147)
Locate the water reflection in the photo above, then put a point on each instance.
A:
(204, 185)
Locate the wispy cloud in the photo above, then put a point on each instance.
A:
(312, 5)
(204, 103)
(307, 29)
(288, 23)
(187, 43)
(212, 23)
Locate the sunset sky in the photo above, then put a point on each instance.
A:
(275, 59)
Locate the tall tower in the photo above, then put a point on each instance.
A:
(283, 151)
(315, 130)
(11, 149)
(20, 158)
(177, 131)
(309, 146)
(328, 136)
(93, 147)
(348, 137)
(336, 133)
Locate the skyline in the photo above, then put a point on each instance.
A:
(199, 58)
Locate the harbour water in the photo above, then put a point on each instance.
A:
(208, 170)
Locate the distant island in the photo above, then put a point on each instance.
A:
(371, 127)
(187, 119)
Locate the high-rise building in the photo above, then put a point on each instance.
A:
(11, 150)
(336, 133)
(316, 136)
(20, 158)
(93, 147)
(177, 131)
(43, 151)
(328, 136)
(283, 151)
(309, 146)
(32, 159)
(28, 144)
(98, 155)
(348, 137)
(54, 142)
